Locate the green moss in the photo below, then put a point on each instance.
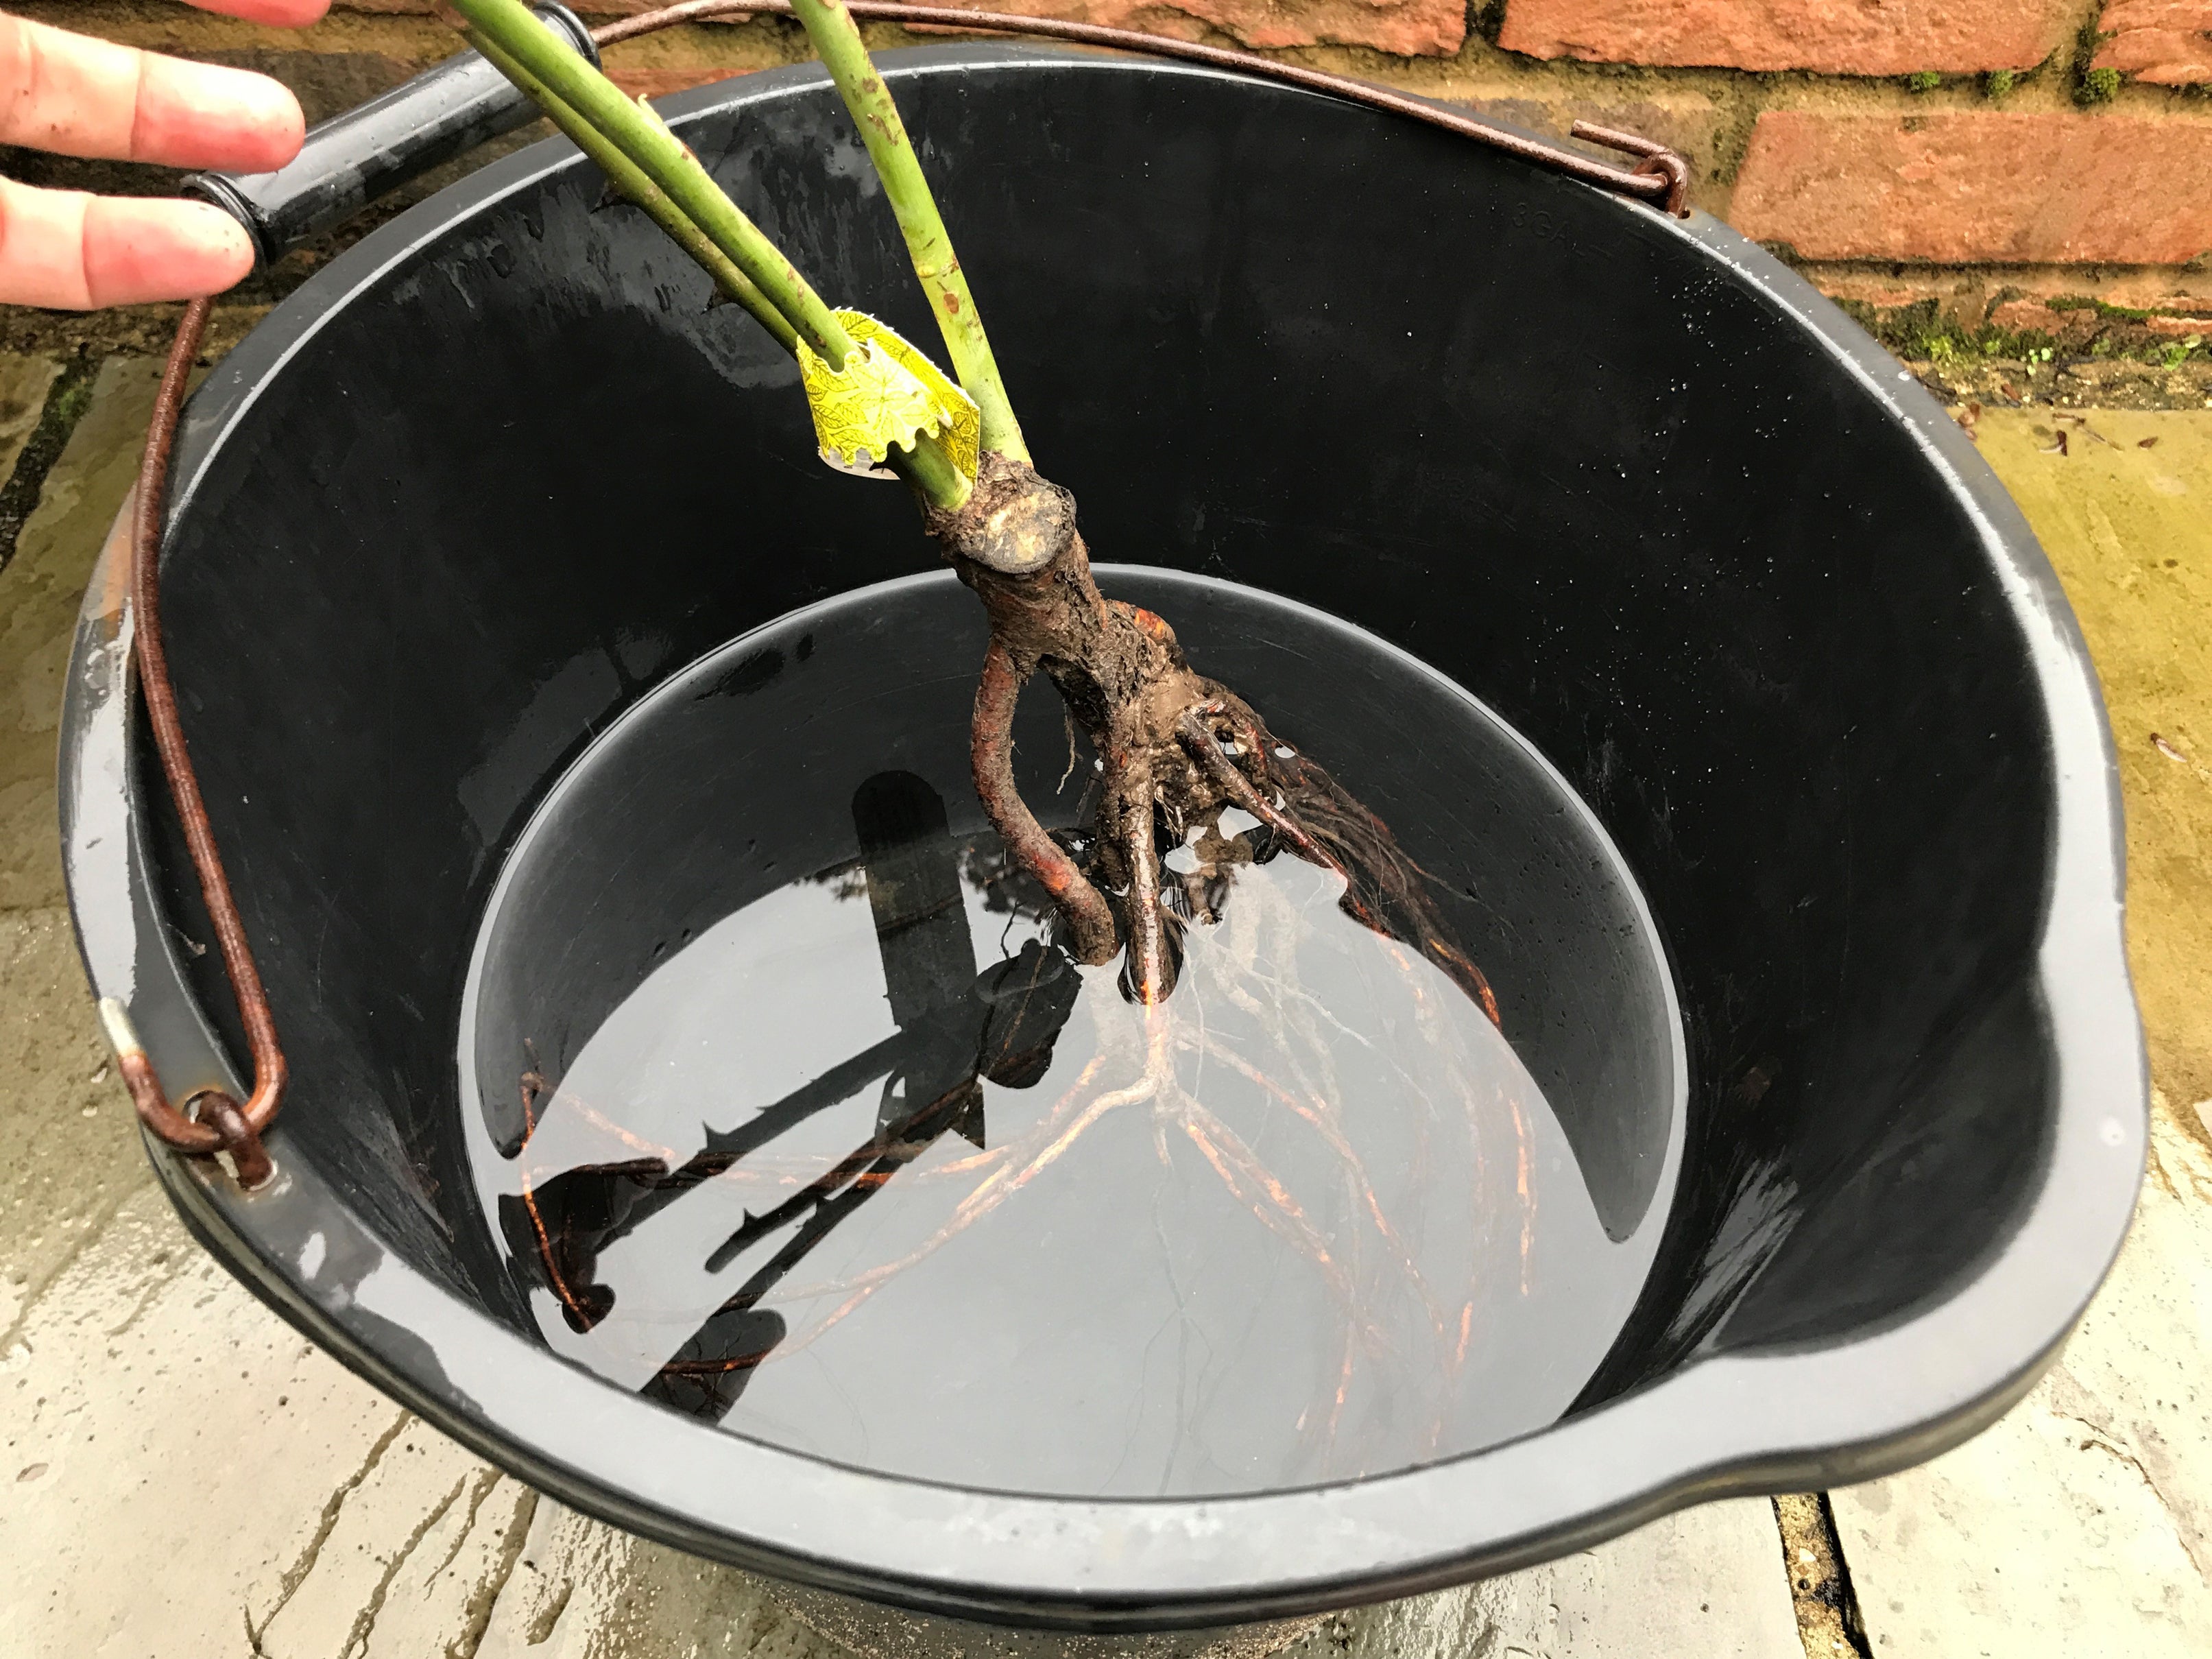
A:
(2098, 86)
(2091, 86)
(1909, 330)
(1920, 332)
(1924, 81)
(1997, 84)
(2087, 302)
(1731, 142)
(2023, 346)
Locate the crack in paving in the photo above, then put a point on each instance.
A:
(1827, 1609)
(486, 1480)
(548, 1616)
(365, 1621)
(477, 1614)
(67, 400)
(296, 1575)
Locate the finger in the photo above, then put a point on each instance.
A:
(72, 251)
(77, 96)
(283, 14)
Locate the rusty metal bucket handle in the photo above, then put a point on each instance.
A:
(1661, 176)
(211, 1122)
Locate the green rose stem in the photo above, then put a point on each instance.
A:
(631, 181)
(836, 38)
(510, 26)
(588, 98)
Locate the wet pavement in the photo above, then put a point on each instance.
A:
(134, 1522)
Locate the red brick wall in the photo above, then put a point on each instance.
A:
(2167, 43)
(1983, 153)
(1834, 37)
(1961, 187)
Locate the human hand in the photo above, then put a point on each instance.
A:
(77, 96)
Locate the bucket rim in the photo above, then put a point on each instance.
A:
(1743, 1423)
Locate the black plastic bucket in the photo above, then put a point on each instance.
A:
(494, 474)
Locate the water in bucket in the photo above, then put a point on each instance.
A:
(794, 1114)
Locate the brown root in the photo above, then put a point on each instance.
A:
(1176, 749)
(1092, 937)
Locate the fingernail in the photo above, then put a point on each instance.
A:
(265, 118)
(271, 103)
(219, 236)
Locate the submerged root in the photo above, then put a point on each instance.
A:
(1390, 1312)
(1249, 1082)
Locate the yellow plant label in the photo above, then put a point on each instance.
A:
(887, 393)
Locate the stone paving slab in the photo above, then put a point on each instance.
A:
(2125, 513)
(136, 1519)
(23, 384)
(39, 592)
(53, 1066)
(77, 1155)
(2081, 1524)
(1709, 1583)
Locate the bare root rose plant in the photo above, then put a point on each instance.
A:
(1176, 749)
